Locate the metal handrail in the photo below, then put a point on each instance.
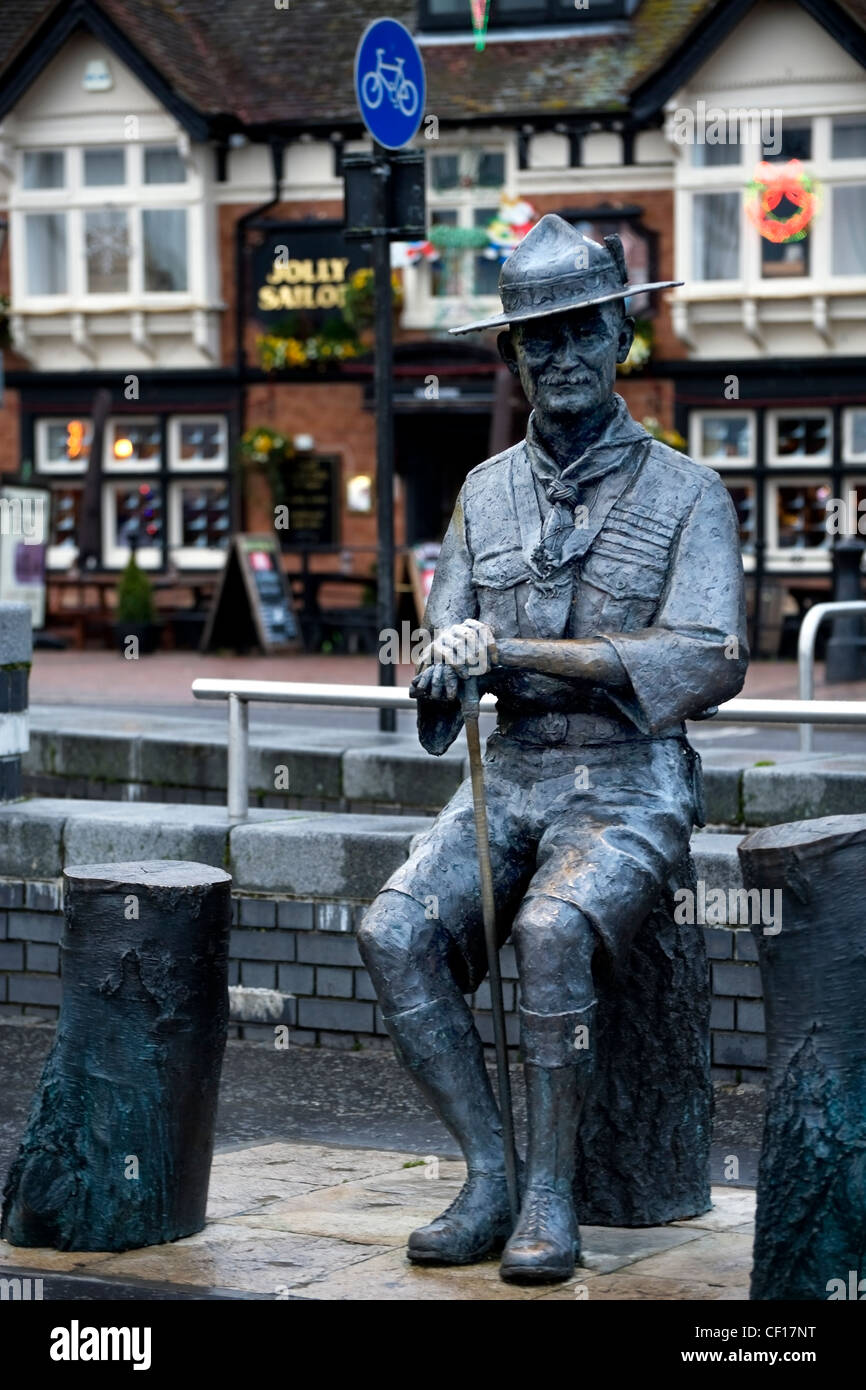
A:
(240, 694)
(806, 652)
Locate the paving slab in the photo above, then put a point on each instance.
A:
(314, 1221)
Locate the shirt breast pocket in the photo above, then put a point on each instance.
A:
(496, 577)
(622, 584)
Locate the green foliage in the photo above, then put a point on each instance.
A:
(135, 596)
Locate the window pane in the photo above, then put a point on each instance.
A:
(202, 441)
(725, 437)
(716, 236)
(796, 143)
(849, 230)
(205, 519)
(135, 442)
(138, 512)
(43, 169)
(849, 137)
(857, 442)
(46, 252)
(163, 164)
(65, 516)
(445, 273)
(104, 167)
(164, 249)
(801, 513)
(486, 277)
(107, 252)
(713, 156)
(743, 498)
(785, 258)
(64, 443)
(805, 436)
(445, 171)
(491, 169)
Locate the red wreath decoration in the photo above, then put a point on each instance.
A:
(770, 184)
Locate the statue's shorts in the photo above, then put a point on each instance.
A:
(601, 826)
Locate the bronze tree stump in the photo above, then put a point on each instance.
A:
(118, 1147)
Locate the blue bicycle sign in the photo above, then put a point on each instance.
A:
(389, 83)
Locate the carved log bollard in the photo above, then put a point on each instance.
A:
(643, 1141)
(810, 1230)
(118, 1147)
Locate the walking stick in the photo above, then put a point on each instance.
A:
(470, 706)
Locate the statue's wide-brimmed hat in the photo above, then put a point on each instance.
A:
(556, 269)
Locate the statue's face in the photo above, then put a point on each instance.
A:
(567, 362)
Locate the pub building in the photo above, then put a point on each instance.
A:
(172, 235)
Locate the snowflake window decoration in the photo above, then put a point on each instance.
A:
(107, 244)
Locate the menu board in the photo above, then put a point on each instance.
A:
(311, 494)
(253, 603)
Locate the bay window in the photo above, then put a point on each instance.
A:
(121, 227)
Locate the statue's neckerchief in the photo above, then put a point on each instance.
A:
(564, 487)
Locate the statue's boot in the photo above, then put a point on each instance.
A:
(546, 1242)
(439, 1043)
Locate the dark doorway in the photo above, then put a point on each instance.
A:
(434, 450)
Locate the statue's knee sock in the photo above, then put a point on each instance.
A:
(557, 1055)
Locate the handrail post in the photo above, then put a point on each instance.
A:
(806, 654)
(238, 758)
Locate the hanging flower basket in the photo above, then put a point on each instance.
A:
(267, 451)
(317, 350)
(359, 305)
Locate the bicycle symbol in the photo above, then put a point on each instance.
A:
(402, 92)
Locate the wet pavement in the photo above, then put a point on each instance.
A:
(325, 1096)
(320, 1175)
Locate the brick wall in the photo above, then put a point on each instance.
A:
(307, 950)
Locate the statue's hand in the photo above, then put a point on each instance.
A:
(467, 648)
(436, 682)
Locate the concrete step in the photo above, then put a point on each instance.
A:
(165, 759)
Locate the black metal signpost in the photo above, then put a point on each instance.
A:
(385, 202)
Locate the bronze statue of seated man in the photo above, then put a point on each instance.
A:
(593, 576)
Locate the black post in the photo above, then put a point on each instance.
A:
(846, 649)
(384, 418)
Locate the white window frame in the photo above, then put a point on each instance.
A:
(831, 173)
(191, 557)
(696, 421)
(47, 466)
(849, 455)
(110, 464)
(61, 557)
(776, 460)
(814, 559)
(149, 557)
(192, 466)
(133, 197)
(422, 308)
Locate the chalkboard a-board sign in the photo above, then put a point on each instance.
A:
(252, 606)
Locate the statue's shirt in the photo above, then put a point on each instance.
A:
(653, 566)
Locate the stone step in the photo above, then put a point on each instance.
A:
(170, 759)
